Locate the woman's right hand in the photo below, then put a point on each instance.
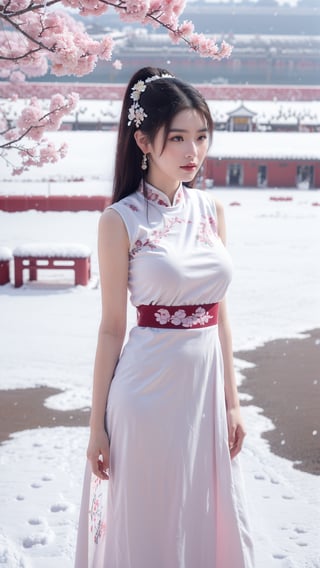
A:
(98, 454)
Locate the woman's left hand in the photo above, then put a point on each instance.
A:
(236, 431)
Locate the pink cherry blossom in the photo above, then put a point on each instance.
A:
(105, 50)
(16, 5)
(60, 106)
(30, 116)
(225, 50)
(117, 64)
(11, 135)
(57, 101)
(63, 150)
(17, 77)
(18, 171)
(207, 47)
(35, 38)
(48, 154)
(135, 10)
(186, 28)
(43, 153)
(182, 31)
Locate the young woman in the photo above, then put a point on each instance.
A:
(165, 425)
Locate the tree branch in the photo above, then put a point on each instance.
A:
(25, 133)
(18, 57)
(31, 8)
(28, 36)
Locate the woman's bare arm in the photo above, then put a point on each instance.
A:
(113, 266)
(236, 430)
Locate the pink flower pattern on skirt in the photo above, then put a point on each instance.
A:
(97, 526)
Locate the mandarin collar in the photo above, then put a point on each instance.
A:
(159, 198)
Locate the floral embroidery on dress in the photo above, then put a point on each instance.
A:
(155, 197)
(178, 196)
(131, 206)
(180, 318)
(97, 525)
(155, 237)
(207, 231)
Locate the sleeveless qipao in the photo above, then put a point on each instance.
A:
(174, 498)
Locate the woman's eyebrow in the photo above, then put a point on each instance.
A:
(185, 130)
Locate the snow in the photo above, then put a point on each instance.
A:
(48, 336)
(90, 157)
(266, 145)
(276, 112)
(48, 250)
(5, 253)
(272, 243)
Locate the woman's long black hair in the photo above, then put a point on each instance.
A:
(161, 101)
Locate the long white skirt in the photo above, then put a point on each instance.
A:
(174, 498)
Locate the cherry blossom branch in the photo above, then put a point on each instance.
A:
(31, 124)
(32, 6)
(35, 38)
(19, 57)
(12, 143)
(32, 119)
(27, 35)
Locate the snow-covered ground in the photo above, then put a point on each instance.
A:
(89, 158)
(48, 335)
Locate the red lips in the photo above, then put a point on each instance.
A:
(189, 167)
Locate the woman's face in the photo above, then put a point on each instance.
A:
(179, 157)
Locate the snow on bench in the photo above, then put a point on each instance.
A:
(66, 250)
(52, 256)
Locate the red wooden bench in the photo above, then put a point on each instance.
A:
(5, 257)
(52, 256)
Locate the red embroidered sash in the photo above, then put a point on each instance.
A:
(178, 317)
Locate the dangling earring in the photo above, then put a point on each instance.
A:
(144, 163)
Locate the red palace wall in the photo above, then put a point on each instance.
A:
(281, 173)
(13, 203)
(317, 176)
(116, 91)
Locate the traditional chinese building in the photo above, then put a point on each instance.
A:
(263, 159)
(241, 119)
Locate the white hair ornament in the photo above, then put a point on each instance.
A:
(136, 112)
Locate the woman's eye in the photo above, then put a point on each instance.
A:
(179, 138)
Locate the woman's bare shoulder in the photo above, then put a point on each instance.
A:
(111, 221)
(219, 206)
